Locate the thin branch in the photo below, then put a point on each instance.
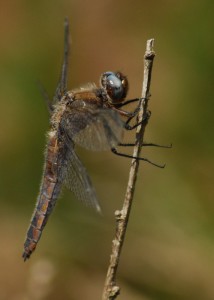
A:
(111, 290)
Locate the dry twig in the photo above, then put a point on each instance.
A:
(111, 290)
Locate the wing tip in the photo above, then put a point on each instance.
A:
(98, 209)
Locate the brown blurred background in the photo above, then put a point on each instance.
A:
(169, 249)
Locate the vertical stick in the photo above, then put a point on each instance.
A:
(111, 290)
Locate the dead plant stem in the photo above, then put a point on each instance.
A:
(111, 289)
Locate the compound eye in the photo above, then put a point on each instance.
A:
(116, 86)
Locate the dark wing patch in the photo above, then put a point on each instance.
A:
(93, 128)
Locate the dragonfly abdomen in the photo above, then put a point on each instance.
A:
(49, 192)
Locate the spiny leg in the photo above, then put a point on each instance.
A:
(128, 114)
(128, 127)
(62, 85)
(145, 144)
(144, 120)
(128, 102)
(114, 150)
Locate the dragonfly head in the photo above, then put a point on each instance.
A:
(115, 85)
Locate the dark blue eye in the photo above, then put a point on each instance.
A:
(115, 85)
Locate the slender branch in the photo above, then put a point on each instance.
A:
(111, 290)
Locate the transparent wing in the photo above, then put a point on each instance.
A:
(76, 179)
(93, 128)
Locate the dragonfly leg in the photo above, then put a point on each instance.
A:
(144, 121)
(114, 150)
(145, 144)
(127, 114)
(128, 102)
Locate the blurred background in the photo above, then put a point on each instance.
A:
(169, 248)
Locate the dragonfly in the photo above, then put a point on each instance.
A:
(90, 117)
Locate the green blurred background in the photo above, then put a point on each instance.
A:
(169, 249)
